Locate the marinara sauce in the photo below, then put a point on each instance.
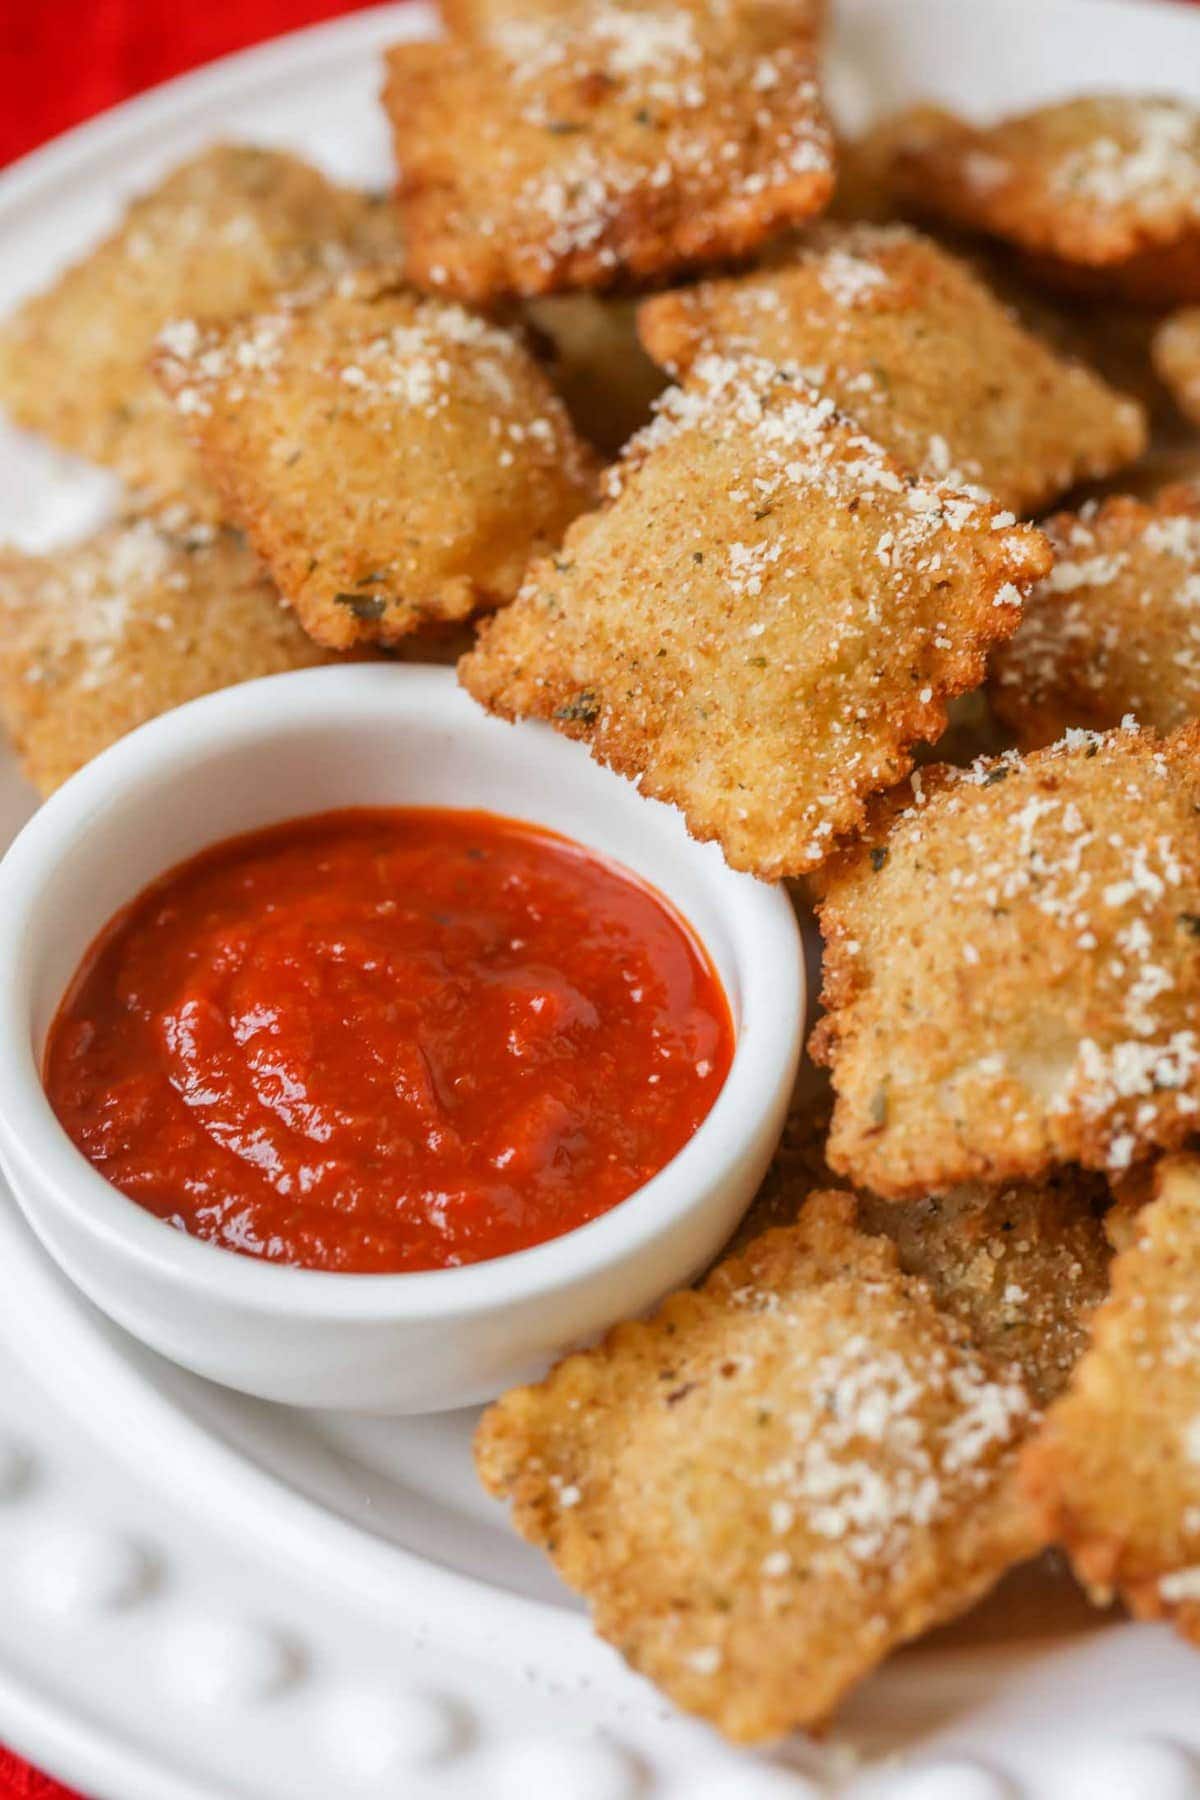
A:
(389, 1039)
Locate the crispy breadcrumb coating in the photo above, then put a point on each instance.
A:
(1114, 629)
(763, 619)
(610, 141)
(776, 1479)
(1021, 1266)
(217, 237)
(394, 460)
(904, 337)
(1103, 184)
(141, 617)
(1012, 967)
(1115, 1470)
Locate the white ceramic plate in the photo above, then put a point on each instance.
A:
(205, 1598)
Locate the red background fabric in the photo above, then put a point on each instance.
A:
(63, 60)
(19, 1782)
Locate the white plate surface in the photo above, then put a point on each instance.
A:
(205, 1598)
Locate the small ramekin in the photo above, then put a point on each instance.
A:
(360, 736)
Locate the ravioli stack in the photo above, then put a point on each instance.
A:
(727, 447)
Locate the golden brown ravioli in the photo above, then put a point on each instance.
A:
(934, 367)
(1103, 185)
(1115, 1470)
(217, 237)
(100, 638)
(1012, 969)
(612, 140)
(395, 460)
(765, 616)
(1114, 629)
(776, 1479)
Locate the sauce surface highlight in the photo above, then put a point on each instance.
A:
(389, 1039)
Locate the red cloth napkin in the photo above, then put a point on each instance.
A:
(63, 60)
(19, 1782)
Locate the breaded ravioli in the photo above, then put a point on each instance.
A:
(905, 338)
(776, 1479)
(1176, 465)
(1101, 185)
(1111, 337)
(1115, 1470)
(591, 350)
(1114, 629)
(616, 140)
(394, 460)
(763, 619)
(480, 18)
(864, 192)
(138, 619)
(1177, 358)
(1021, 1266)
(1012, 969)
(1116, 341)
(215, 238)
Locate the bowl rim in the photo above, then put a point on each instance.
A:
(767, 950)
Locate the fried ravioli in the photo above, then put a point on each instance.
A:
(393, 459)
(1103, 191)
(776, 1479)
(615, 141)
(597, 364)
(1114, 629)
(1012, 974)
(903, 336)
(1176, 354)
(481, 18)
(1115, 1470)
(1174, 466)
(763, 619)
(215, 238)
(1021, 1267)
(798, 1167)
(138, 619)
(865, 191)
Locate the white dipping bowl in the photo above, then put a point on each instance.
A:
(371, 735)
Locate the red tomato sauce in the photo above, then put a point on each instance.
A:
(389, 1039)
